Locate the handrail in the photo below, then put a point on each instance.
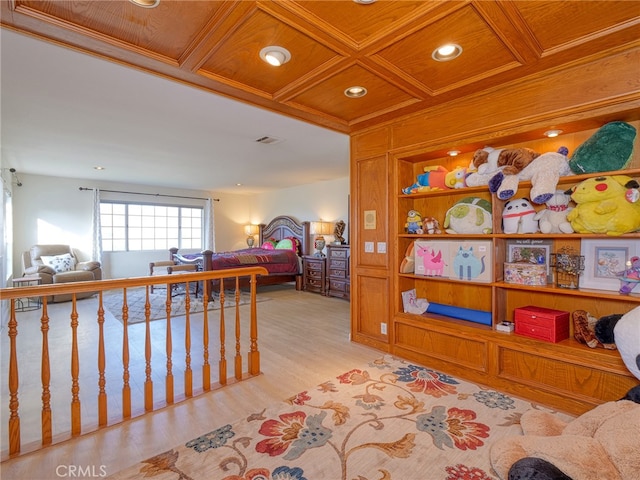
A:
(44, 292)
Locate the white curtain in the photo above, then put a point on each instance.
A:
(96, 253)
(209, 226)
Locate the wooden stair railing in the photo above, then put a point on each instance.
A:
(11, 374)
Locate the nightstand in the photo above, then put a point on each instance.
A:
(315, 278)
(338, 277)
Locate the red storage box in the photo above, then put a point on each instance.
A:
(542, 323)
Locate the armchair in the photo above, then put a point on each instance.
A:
(59, 264)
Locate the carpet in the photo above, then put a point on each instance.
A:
(390, 420)
(136, 301)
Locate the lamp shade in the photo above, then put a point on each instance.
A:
(251, 229)
(321, 228)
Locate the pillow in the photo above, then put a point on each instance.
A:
(268, 245)
(286, 244)
(60, 263)
(297, 247)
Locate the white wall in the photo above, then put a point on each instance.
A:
(54, 210)
(328, 201)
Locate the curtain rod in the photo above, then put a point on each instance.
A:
(151, 194)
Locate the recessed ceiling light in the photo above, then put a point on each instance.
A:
(355, 92)
(98, 168)
(453, 153)
(552, 133)
(238, 184)
(146, 3)
(446, 52)
(275, 55)
(365, 2)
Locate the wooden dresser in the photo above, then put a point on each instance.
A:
(315, 278)
(338, 278)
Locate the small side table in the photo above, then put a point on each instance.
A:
(29, 303)
(314, 274)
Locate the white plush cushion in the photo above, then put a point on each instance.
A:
(60, 263)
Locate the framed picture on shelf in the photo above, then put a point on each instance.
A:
(603, 258)
(532, 252)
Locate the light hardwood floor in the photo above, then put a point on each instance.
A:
(303, 340)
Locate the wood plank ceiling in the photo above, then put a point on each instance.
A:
(384, 46)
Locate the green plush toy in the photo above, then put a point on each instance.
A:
(608, 149)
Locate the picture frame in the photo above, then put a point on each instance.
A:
(531, 251)
(603, 258)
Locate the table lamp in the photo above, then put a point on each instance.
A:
(319, 229)
(251, 231)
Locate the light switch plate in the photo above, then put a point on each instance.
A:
(368, 247)
(382, 247)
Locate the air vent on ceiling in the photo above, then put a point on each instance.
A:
(268, 140)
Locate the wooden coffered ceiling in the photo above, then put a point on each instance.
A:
(384, 46)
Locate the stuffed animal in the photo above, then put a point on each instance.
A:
(600, 444)
(630, 277)
(553, 219)
(624, 331)
(430, 226)
(433, 178)
(544, 173)
(518, 216)
(469, 215)
(456, 178)
(608, 149)
(606, 205)
(584, 330)
(483, 166)
(414, 222)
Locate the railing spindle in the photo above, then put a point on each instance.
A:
(14, 418)
(169, 347)
(238, 357)
(126, 389)
(148, 382)
(45, 375)
(76, 421)
(188, 374)
(102, 382)
(222, 364)
(206, 368)
(254, 354)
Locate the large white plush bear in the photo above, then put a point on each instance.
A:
(518, 216)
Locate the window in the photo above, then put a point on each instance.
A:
(134, 227)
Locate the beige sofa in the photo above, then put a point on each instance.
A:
(59, 264)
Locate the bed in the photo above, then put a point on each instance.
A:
(284, 266)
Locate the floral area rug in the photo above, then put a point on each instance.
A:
(136, 303)
(390, 420)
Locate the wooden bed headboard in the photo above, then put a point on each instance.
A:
(285, 226)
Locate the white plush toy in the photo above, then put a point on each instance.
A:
(518, 216)
(544, 173)
(553, 219)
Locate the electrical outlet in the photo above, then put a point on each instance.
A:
(383, 328)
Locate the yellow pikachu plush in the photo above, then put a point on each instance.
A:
(606, 205)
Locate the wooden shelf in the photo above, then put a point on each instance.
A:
(566, 374)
